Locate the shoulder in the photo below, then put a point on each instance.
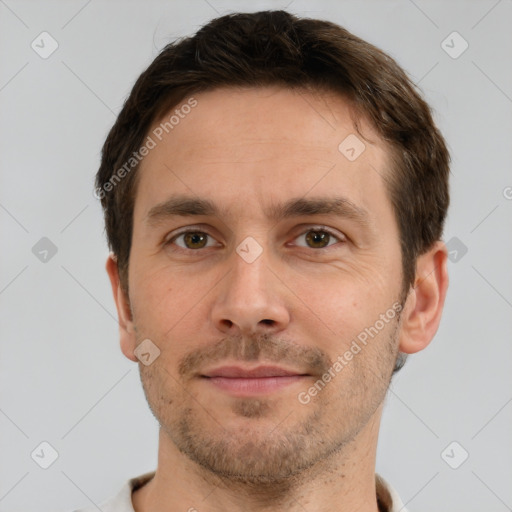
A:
(387, 497)
(122, 501)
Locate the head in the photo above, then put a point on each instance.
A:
(257, 126)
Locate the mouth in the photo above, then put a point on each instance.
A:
(239, 381)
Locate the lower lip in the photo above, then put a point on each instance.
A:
(253, 386)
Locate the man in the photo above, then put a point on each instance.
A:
(275, 191)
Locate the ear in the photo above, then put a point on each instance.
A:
(126, 328)
(424, 304)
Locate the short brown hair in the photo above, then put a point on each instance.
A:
(278, 48)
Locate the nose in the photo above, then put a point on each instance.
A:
(250, 299)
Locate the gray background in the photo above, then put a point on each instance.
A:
(63, 378)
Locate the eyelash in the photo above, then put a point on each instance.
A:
(324, 229)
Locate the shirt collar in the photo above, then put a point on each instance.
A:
(388, 499)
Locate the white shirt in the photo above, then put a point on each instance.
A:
(122, 501)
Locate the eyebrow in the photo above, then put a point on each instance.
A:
(186, 206)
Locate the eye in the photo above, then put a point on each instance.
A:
(315, 238)
(192, 240)
(320, 238)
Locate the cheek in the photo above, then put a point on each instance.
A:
(159, 295)
(169, 308)
(342, 298)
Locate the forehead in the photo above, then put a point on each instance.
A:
(261, 145)
(313, 119)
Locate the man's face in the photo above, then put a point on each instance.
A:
(256, 286)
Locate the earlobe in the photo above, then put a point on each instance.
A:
(423, 308)
(126, 327)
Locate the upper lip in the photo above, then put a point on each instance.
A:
(254, 373)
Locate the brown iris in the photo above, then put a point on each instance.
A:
(318, 239)
(196, 239)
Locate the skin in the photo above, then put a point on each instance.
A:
(299, 305)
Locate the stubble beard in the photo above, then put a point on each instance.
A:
(279, 454)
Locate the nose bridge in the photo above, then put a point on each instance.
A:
(249, 275)
(249, 299)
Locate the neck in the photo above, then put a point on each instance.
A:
(345, 481)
